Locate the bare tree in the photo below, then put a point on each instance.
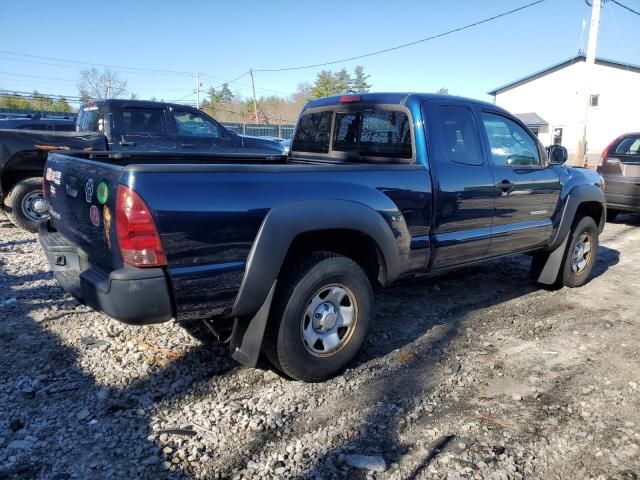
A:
(101, 84)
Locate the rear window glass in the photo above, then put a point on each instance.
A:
(629, 146)
(312, 133)
(347, 130)
(385, 133)
(141, 120)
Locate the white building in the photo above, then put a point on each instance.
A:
(552, 103)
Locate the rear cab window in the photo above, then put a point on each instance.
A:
(363, 134)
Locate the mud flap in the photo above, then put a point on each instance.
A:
(246, 338)
(546, 266)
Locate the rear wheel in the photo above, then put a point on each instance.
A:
(581, 253)
(612, 214)
(25, 204)
(320, 317)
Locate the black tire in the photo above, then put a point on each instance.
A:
(284, 345)
(19, 210)
(567, 276)
(612, 214)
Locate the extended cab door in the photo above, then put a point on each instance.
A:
(198, 133)
(135, 127)
(462, 181)
(526, 188)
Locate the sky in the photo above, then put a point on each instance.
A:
(224, 39)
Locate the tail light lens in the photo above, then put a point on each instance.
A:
(137, 235)
(605, 153)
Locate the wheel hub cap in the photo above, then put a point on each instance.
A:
(39, 206)
(329, 320)
(324, 317)
(581, 254)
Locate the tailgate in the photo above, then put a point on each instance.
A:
(82, 196)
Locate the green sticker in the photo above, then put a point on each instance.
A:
(102, 193)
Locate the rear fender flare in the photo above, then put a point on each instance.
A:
(285, 222)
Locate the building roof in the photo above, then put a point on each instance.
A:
(531, 119)
(558, 66)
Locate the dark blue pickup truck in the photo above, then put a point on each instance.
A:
(113, 125)
(377, 187)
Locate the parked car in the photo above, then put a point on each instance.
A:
(620, 167)
(114, 125)
(48, 123)
(290, 250)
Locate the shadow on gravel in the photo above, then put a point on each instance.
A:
(13, 243)
(50, 404)
(114, 433)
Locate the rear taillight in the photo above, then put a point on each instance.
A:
(605, 153)
(137, 235)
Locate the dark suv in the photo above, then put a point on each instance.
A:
(620, 168)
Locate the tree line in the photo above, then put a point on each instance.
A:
(36, 101)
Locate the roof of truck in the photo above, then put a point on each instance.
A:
(389, 98)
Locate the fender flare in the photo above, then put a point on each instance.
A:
(578, 195)
(285, 222)
(546, 265)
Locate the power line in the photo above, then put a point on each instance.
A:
(625, 7)
(398, 47)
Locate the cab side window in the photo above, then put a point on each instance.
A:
(194, 125)
(511, 145)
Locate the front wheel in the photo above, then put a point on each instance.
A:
(320, 317)
(581, 253)
(25, 204)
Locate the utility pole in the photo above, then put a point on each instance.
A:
(109, 88)
(255, 103)
(197, 90)
(584, 96)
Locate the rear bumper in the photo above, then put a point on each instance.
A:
(620, 201)
(131, 295)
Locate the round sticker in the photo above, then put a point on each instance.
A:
(102, 193)
(94, 215)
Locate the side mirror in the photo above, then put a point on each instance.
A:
(557, 154)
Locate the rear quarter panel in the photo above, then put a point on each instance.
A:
(208, 219)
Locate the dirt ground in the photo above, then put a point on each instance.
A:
(474, 374)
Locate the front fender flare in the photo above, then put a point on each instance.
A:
(578, 195)
(285, 222)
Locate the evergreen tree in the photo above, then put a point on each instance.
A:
(360, 84)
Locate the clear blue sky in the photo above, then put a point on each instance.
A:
(223, 39)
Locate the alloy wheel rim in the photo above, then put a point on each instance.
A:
(581, 255)
(329, 320)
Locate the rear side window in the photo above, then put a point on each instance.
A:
(141, 121)
(460, 135)
(312, 133)
(629, 146)
(87, 120)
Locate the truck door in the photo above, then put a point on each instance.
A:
(200, 134)
(140, 128)
(462, 182)
(526, 190)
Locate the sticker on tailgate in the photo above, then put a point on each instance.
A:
(88, 190)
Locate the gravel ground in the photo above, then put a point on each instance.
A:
(473, 374)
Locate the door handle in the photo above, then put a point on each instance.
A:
(188, 145)
(505, 186)
(125, 143)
